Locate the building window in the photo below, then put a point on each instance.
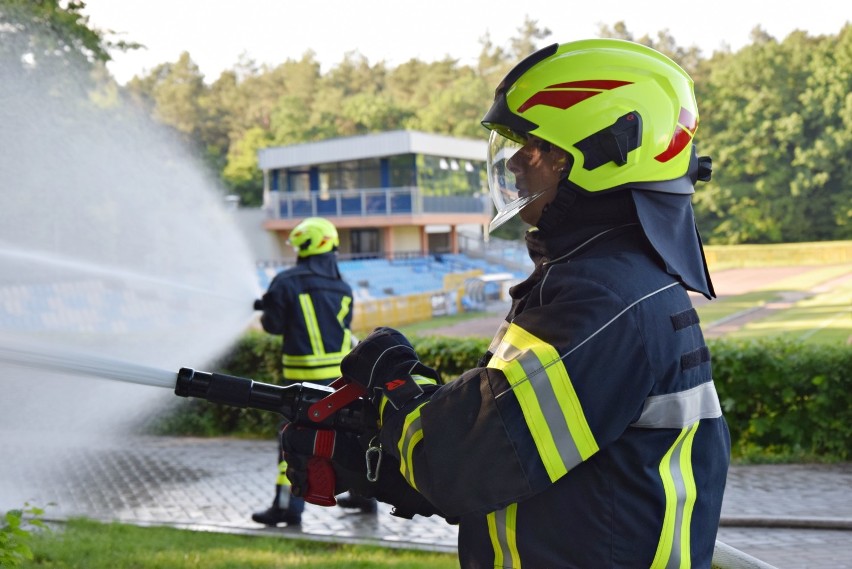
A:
(351, 175)
(298, 181)
(402, 171)
(444, 176)
(365, 242)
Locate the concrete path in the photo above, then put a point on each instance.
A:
(790, 516)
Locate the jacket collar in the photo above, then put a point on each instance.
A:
(324, 265)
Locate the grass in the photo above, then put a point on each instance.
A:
(438, 322)
(86, 544)
(722, 308)
(825, 316)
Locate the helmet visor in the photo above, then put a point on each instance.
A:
(502, 183)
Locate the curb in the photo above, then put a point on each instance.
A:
(795, 522)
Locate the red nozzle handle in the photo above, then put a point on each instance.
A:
(345, 393)
(321, 482)
(321, 478)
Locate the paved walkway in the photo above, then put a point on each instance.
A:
(790, 516)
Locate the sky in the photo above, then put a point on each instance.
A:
(217, 33)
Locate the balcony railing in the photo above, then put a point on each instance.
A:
(363, 203)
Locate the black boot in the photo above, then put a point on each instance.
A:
(350, 500)
(275, 515)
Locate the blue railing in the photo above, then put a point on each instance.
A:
(391, 201)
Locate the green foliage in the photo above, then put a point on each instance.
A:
(775, 119)
(16, 535)
(257, 355)
(776, 116)
(450, 356)
(786, 397)
(92, 545)
(241, 171)
(51, 32)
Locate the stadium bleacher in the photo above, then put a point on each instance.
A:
(381, 278)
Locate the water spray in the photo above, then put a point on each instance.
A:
(86, 365)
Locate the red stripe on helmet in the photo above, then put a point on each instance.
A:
(559, 99)
(565, 95)
(682, 136)
(599, 84)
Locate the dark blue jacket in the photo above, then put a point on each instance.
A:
(310, 306)
(591, 436)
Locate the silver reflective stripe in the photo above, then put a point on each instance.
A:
(677, 410)
(548, 403)
(502, 536)
(681, 493)
(498, 337)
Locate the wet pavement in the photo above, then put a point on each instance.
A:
(789, 516)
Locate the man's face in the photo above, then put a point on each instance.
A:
(538, 167)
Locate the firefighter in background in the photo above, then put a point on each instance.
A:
(310, 307)
(591, 434)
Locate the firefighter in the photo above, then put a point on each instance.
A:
(310, 306)
(591, 434)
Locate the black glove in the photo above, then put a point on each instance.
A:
(258, 304)
(349, 470)
(384, 363)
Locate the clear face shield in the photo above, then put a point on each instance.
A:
(508, 159)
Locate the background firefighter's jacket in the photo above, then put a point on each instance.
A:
(310, 306)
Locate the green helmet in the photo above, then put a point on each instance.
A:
(625, 113)
(314, 236)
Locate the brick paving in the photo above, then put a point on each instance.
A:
(790, 516)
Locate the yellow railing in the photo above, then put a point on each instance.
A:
(721, 257)
(400, 310)
(392, 311)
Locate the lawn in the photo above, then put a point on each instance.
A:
(85, 544)
(823, 316)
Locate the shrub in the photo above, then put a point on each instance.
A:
(780, 398)
(16, 535)
(785, 397)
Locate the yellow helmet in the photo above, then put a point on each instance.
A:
(625, 113)
(314, 236)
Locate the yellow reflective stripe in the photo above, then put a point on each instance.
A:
(412, 433)
(551, 408)
(311, 374)
(344, 308)
(418, 379)
(502, 526)
(311, 324)
(282, 480)
(346, 345)
(312, 360)
(345, 305)
(673, 549)
(382, 404)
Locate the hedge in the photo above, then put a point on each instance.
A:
(782, 399)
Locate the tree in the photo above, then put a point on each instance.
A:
(526, 42)
(779, 149)
(172, 94)
(43, 33)
(242, 174)
(52, 42)
(458, 109)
